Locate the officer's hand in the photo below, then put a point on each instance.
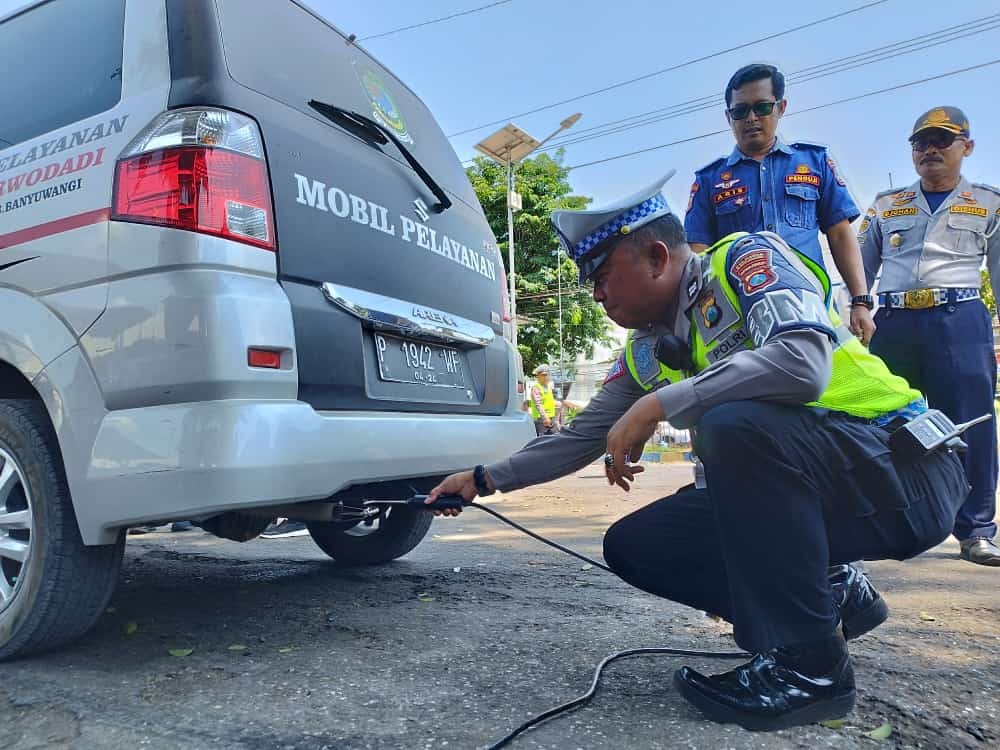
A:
(547, 422)
(630, 433)
(862, 324)
(461, 483)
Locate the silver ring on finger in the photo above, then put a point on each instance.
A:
(609, 460)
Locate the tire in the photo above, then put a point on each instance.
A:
(52, 587)
(399, 531)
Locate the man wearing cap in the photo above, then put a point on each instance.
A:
(542, 401)
(929, 241)
(792, 189)
(742, 344)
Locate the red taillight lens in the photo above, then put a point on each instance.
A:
(207, 190)
(264, 358)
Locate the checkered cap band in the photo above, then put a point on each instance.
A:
(595, 238)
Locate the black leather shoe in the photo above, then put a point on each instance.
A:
(859, 605)
(980, 550)
(764, 695)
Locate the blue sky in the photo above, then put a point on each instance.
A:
(528, 53)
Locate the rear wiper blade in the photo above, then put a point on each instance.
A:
(369, 129)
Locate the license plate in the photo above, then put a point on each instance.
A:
(407, 361)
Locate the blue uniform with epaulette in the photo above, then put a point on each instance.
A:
(793, 191)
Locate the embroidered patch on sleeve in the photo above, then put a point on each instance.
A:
(754, 270)
(694, 190)
(836, 173)
(617, 369)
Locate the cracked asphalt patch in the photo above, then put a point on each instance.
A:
(418, 655)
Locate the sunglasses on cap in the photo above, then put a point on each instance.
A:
(742, 111)
(939, 139)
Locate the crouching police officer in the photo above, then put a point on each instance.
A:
(789, 410)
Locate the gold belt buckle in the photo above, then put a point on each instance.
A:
(918, 299)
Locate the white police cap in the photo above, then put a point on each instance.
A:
(583, 234)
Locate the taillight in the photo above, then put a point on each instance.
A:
(264, 358)
(202, 170)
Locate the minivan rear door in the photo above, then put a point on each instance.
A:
(359, 239)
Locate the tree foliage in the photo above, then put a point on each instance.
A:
(543, 185)
(986, 292)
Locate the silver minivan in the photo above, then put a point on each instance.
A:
(241, 276)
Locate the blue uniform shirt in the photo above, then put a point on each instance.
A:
(794, 191)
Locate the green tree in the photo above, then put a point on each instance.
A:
(986, 292)
(544, 187)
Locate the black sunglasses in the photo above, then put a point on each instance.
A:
(761, 109)
(939, 139)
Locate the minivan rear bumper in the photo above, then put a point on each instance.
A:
(182, 461)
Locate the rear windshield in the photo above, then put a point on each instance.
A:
(301, 58)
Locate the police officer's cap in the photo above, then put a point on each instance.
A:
(541, 370)
(589, 236)
(951, 119)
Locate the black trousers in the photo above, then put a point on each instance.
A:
(791, 490)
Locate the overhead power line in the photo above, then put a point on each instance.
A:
(433, 21)
(886, 52)
(919, 43)
(676, 66)
(877, 92)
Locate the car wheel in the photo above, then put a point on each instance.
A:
(52, 587)
(390, 536)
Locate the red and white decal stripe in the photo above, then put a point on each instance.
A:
(54, 227)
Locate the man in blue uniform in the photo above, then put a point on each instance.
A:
(792, 416)
(765, 184)
(929, 241)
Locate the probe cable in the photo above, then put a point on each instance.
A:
(452, 501)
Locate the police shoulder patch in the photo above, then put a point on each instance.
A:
(617, 369)
(753, 269)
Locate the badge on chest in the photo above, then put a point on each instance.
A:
(713, 313)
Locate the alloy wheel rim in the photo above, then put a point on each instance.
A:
(15, 527)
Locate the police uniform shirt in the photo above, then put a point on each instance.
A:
(917, 248)
(791, 364)
(793, 191)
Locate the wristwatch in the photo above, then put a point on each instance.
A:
(865, 300)
(479, 477)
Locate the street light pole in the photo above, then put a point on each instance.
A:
(559, 277)
(508, 146)
(510, 252)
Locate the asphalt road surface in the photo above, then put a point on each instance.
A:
(472, 633)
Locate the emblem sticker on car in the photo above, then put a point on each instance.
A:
(384, 107)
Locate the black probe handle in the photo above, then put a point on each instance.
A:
(444, 502)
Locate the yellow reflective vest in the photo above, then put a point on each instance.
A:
(548, 402)
(860, 385)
